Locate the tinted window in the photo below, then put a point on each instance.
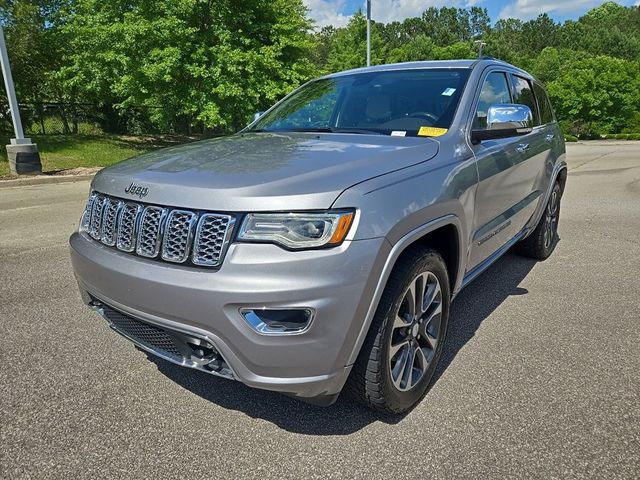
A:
(546, 112)
(381, 102)
(523, 94)
(495, 89)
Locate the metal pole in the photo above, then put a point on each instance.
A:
(23, 155)
(368, 33)
(11, 94)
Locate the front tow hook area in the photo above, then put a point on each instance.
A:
(175, 346)
(201, 352)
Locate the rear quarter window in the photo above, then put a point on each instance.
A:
(546, 112)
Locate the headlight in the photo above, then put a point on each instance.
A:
(297, 230)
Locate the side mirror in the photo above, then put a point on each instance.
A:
(505, 120)
(257, 115)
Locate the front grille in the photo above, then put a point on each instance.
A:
(163, 233)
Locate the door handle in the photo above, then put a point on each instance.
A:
(522, 147)
(549, 137)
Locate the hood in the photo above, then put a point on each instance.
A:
(261, 171)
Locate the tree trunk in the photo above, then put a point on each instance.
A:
(41, 115)
(65, 123)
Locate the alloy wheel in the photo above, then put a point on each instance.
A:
(551, 220)
(416, 330)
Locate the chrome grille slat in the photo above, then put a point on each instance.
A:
(177, 236)
(150, 231)
(86, 216)
(164, 233)
(127, 226)
(109, 221)
(95, 224)
(212, 237)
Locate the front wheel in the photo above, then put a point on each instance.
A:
(401, 351)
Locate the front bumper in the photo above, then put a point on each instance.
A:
(336, 283)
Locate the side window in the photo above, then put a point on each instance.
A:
(495, 89)
(523, 94)
(546, 112)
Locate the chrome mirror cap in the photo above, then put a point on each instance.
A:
(509, 116)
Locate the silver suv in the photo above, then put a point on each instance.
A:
(320, 248)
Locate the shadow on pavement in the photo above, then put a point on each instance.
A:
(475, 303)
(478, 300)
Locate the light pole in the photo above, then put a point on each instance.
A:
(480, 44)
(22, 153)
(368, 33)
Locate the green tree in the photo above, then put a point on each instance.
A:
(349, 48)
(609, 29)
(212, 63)
(597, 95)
(208, 62)
(419, 48)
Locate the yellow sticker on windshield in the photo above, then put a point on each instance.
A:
(432, 131)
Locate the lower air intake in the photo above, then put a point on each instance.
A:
(177, 347)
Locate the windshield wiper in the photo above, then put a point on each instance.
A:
(311, 129)
(361, 131)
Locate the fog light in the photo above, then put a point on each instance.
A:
(278, 321)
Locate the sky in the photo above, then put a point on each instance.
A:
(337, 12)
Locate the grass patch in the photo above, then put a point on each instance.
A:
(61, 152)
(622, 136)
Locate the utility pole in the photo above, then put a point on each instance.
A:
(368, 33)
(22, 153)
(480, 44)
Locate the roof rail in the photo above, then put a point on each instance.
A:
(487, 57)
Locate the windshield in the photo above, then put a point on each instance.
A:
(399, 102)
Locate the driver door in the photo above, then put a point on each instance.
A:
(503, 198)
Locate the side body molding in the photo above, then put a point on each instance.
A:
(396, 251)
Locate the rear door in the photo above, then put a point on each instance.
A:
(509, 169)
(551, 133)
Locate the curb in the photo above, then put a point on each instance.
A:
(44, 179)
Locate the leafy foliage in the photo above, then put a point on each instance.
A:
(209, 64)
(210, 61)
(590, 65)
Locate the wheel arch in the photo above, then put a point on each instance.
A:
(444, 235)
(444, 240)
(561, 178)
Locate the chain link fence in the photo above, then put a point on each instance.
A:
(51, 118)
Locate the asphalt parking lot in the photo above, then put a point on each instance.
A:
(540, 378)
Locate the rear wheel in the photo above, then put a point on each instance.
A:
(543, 240)
(401, 351)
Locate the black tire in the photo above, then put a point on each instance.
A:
(372, 380)
(543, 240)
